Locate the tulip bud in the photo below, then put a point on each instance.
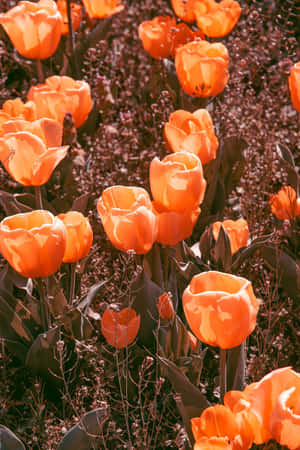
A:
(165, 306)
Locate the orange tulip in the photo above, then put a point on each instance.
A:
(285, 204)
(79, 236)
(75, 14)
(120, 328)
(16, 109)
(192, 133)
(128, 219)
(237, 230)
(184, 9)
(30, 151)
(220, 308)
(294, 85)
(174, 227)
(99, 9)
(217, 19)
(33, 28)
(181, 35)
(33, 243)
(60, 95)
(165, 306)
(155, 36)
(202, 68)
(177, 182)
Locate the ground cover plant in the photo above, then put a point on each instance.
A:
(149, 234)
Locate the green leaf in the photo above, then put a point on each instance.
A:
(9, 441)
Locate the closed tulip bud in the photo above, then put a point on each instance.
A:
(33, 28)
(237, 231)
(79, 236)
(217, 19)
(165, 306)
(76, 13)
(33, 243)
(285, 205)
(100, 9)
(120, 328)
(202, 68)
(294, 85)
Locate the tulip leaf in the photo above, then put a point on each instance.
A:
(153, 265)
(80, 203)
(10, 314)
(93, 292)
(78, 324)
(87, 432)
(222, 250)
(9, 441)
(289, 165)
(11, 206)
(285, 153)
(236, 366)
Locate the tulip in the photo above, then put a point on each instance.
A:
(217, 19)
(60, 95)
(165, 306)
(155, 36)
(75, 14)
(79, 236)
(99, 9)
(120, 328)
(128, 218)
(285, 204)
(193, 133)
(177, 182)
(294, 85)
(16, 109)
(220, 308)
(174, 227)
(202, 68)
(31, 156)
(33, 243)
(33, 28)
(237, 230)
(184, 9)
(285, 418)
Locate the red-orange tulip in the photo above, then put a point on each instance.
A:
(184, 9)
(60, 95)
(75, 14)
(33, 28)
(33, 243)
(120, 328)
(220, 308)
(16, 109)
(285, 204)
(177, 182)
(165, 306)
(217, 19)
(155, 36)
(99, 9)
(128, 219)
(174, 227)
(294, 85)
(192, 132)
(202, 68)
(79, 235)
(30, 151)
(237, 230)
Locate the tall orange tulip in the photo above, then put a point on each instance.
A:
(220, 308)
(237, 230)
(79, 235)
(294, 85)
(202, 68)
(155, 36)
(177, 182)
(128, 218)
(33, 243)
(76, 13)
(217, 19)
(16, 109)
(60, 95)
(120, 328)
(192, 132)
(184, 9)
(34, 28)
(99, 9)
(285, 204)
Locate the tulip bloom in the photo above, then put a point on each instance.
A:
(285, 418)
(220, 308)
(128, 218)
(177, 182)
(294, 85)
(30, 151)
(33, 243)
(16, 109)
(60, 95)
(184, 9)
(192, 132)
(237, 230)
(79, 236)
(33, 28)
(217, 19)
(120, 328)
(165, 306)
(75, 14)
(100, 9)
(202, 68)
(285, 204)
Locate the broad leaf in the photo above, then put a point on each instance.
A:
(9, 441)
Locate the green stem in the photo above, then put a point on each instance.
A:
(40, 70)
(223, 373)
(72, 41)
(72, 282)
(38, 197)
(44, 308)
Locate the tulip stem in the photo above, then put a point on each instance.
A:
(40, 70)
(166, 266)
(45, 317)
(38, 197)
(223, 373)
(72, 41)
(72, 282)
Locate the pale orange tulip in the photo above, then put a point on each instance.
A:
(184, 9)
(237, 230)
(220, 308)
(294, 85)
(217, 19)
(76, 13)
(16, 109)
(99, 9)
(33, 28)
(192, 132)
(79, 236)
(155, 36)
(285, 204)
(33, 243)
(202, 68)
(120, 328)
